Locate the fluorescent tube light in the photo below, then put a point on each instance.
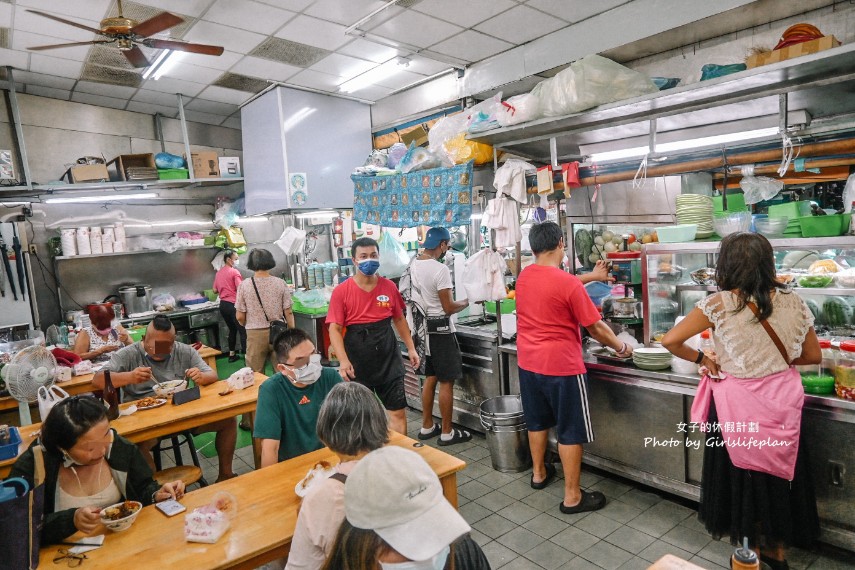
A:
(161, 57)
(168, 63)
(640, 151)
(102, 198)
(318, 214)
(371, 77)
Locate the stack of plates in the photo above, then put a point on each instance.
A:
(696, 209)
(651, 358)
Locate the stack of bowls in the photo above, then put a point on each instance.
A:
(728, 223)
(696, 209)
(651, 358)
(771, 227)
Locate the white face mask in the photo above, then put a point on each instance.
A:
(236, 262)
(309, 373)
(435, 563)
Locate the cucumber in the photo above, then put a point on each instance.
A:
(837, 311)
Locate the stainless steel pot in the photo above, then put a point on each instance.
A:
(626, 308)
(136, 298)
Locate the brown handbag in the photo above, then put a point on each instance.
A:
(771, 332)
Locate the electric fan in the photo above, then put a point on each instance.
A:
(30, 369)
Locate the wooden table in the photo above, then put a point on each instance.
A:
(266, 517)
(168, 419)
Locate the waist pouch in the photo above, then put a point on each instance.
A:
(439, 325)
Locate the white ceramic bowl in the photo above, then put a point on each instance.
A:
(677, 234)
(124, 523)
(164, 389)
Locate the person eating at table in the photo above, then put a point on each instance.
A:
(97, 341)
(159, 358)
(290, 400)
(88, 466)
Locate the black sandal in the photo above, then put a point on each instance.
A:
(550, 475)
(593, 501)
(432, 433)
(457, 436)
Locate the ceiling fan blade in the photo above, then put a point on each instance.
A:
(69, 22)
(73, 44)
(183, 46)
(162, 21)
(136, 57)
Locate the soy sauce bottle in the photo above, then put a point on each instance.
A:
(111, 397)
(744, 558)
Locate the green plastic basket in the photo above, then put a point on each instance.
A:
(136, 333)
(173, 174)
(299, 308)
(825, 226)
(508, 306)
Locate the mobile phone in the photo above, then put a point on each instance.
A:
(170, 507)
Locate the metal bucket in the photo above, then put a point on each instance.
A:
(507, 436)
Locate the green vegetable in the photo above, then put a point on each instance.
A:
(583, 243)
(815, 281)
(837, 312)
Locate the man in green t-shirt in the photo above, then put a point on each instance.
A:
(289, 401)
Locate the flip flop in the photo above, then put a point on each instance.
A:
(550, 475)
(458, 436)
(590, 502)
(433, 433)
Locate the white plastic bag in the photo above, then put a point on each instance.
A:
(240, 379)
(49, 397)
(484, 116)
(758, 188)
(446, 129)
(393, 257)
(291, 240)
(849, 193)
(519, 109)
(484, 276)
(589, 82)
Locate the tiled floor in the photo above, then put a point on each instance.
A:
(520, 528)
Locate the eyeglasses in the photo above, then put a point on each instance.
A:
(74, 560)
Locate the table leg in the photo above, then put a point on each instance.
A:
(256, 443)
(449, 488)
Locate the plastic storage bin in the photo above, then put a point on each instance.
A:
(508, 306)
(10, 450)
(173, 174)
(844, 371)
(825, 226)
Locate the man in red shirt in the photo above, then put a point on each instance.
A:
(367, 305)
(551, 307)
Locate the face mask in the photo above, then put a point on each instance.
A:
(369, 267)
(69, 461)
(309, 373)
(435, 563)
(236, 262)
(103, 332)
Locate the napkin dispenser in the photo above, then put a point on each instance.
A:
(185, 396)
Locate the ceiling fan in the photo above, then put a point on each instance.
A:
(128, 34)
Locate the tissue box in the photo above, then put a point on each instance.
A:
(205, 524)
(243, 378)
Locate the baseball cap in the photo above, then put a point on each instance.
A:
(435, 236)
(395, 493)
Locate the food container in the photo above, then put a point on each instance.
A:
(771, 227)
(626, 308)
(731, 223)
(829, 357)
(677, 234)
(825, 226)
(123, 523)
(818, 384)
(844, 371)
(164, 389)
(815, 281)
(704, 276)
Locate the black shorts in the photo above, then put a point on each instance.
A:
(444, 360)
(557, 401)
(391, 393)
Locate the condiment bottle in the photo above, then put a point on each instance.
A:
(744, 558)
(111, 397)
(707, 346)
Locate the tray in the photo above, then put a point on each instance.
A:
(604, 354)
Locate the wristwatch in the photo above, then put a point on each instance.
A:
(700, 357)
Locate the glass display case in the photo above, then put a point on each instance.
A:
(593, 241)
(674, 280)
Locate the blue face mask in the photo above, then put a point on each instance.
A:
(369, 267)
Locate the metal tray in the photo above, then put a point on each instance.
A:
(604, 354)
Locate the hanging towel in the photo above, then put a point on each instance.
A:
(570, 174)
(544, 180)
(502, 215)
(509, 179)
(484, 276)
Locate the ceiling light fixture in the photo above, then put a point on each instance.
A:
(371, 77)
(165, 61)
(156, 63)
(102, 198)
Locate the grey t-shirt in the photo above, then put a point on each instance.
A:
(183, 356)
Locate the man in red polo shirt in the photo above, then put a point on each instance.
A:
(551, 307)
(368, 305)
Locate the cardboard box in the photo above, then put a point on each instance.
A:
(206, 164)
(230, 167)
(789, 52)
(125, 161)
(87, 173)
(418, 134)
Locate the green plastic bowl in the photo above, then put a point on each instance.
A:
(818, 384)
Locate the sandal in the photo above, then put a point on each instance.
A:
(590, 502)
(457, 436)
(550, 475)
(433, 433)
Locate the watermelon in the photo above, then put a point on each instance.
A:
(837, 311)
(814, 308)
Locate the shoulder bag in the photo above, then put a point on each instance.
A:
(277, 327)
(771, 332)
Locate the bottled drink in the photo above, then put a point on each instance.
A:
(707, 345)
(63, 334)
(744, 558)
(111, 397)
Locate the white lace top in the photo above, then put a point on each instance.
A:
(743, 347)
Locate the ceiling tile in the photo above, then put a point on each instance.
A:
(17, 59)
(350, 12)
(193, 73)
(221, 62)
(189, 7)
(425, 66)
(232, 39)
(225, 95)
(28, 22)
(248, 15)
(264, 68)
(471, 46)
(213, 107)
(207, 118)
(172, 85)
(314, 32)
(232, 123)
(44, 80)
(520, 25)
(416, 29)
(55, 66)
(465, 14)
(150, 109)
(293, 5)
(574, 10)
(368, 50)
(90, 9)
(118, 91)
(156, 98)
(343, 65)
(48, 92)
(99, 100)
(373, 93)
(5, 15)
(317, 80)
(22, 40)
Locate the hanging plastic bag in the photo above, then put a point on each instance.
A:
(396, 153)
(291, 240)
(445, 129)
(393, 257)
(420, 158)
(483, 276)
(459, 150)
(591, 81)
(519, 109)
(234, 237)
(758, 188)
(849, 193)
(484, 115)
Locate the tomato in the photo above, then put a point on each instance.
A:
(632, 239)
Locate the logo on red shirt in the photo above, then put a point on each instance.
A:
(383, 301)
(305, 400)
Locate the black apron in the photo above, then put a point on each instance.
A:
(373, 350)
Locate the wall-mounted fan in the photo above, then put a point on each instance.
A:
(128, 34)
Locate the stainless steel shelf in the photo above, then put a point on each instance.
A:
(693, 287)
(205, 182)
(825, 291)
(95, 255)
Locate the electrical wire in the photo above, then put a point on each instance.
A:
(43, 268)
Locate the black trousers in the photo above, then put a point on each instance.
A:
(227, 310)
